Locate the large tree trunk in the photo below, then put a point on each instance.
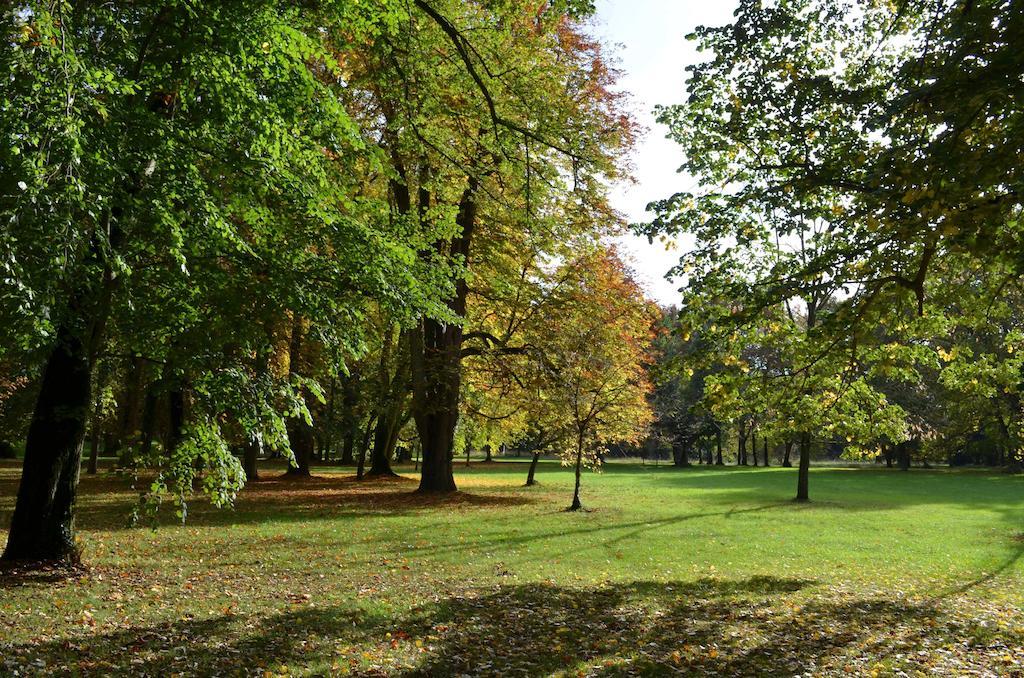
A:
(43, 525)
(766, 452)
(531, 474)
(436, 352)
(805, 468)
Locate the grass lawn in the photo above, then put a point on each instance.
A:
(702, 571)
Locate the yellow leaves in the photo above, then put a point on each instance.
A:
(948, 356)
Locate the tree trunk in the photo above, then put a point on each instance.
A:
(904, 454)
(149, 416)
(487, 454)
(436, 352)
(43, 525)
(766, 453)
(128, 426)
(348, 448)
(753, 445)
(175, 420)
(361, 467)
(576, 505)
(530, 476)
(300, 439)
(380, 458)
(786, 463)
(300, 431)
(349, 400)
(805, 468)
(718, 444)
(249, 458)
(887, 451)
(94, 436)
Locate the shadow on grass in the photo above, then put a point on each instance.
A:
(746, 627)
(105, 501)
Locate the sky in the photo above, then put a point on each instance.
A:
(648, 38)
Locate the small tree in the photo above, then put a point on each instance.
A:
(596, 360)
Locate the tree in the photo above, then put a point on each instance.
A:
(839, 164)
(477, 152)
(596, 361)
(192, 161)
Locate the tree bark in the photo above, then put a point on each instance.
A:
(436, 352)
(43, 525)
(530, 476)
(363, 448)
(348, 448)
(903, 450)
(300, 431)
(718, 443)
(576, 505)
(741, 447)
(94, 436)
(682, 457)
(805, 468)
(383, 437)
(786, 463)
(753, 445)
(249, 459)
(127, 432)
(766, 453)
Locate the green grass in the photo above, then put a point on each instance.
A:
(695, 571)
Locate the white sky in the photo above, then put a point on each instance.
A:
(653, 54)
